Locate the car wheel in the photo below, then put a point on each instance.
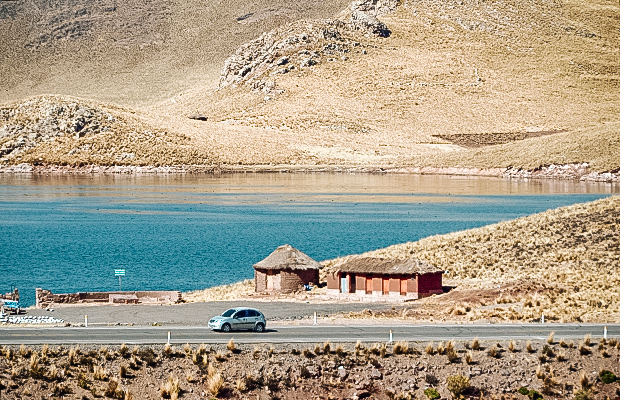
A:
(259, 328)
(226, 328)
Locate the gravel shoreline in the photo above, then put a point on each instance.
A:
(578, 171)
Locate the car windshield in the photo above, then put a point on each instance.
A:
(228, 313)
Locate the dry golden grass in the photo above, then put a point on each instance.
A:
(224, 292)
(568, 250)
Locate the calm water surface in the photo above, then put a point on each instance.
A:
(69, 233)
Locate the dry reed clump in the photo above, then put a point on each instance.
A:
(171, 389)
(220, 356)
(566, 249)
(429, 349)
(24, 351)
(475, 344)
(528, 346)
(215, 384)
(123, 350)
(231, 345)
(168, 351)
(99, 373)
(232, 291)
(401, 347)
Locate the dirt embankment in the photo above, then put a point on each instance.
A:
(479, 369)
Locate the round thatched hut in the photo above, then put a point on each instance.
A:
(285, 270)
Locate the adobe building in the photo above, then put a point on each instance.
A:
(371, 277)
(285, 270)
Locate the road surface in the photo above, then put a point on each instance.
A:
(299, 334)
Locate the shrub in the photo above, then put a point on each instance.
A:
(469, 358)
(308, 353)
(35, 369)
(99, 373)
(113, 391)
(168, 351)
(607, 376)
(383, 351)
(171, 388)
(241, 386)
(475, 344)
(432, 394)
(231, 345)
(220, 356)
(457, 384)
(24, 351)
(587, 339)
(561, 357)
(494, 352)
(452, 356)
(401, 347)
(584, 395)
(123, 351)
(340, 352)
(429, 349)
(326, 347)
(584, 350)
(550, 337)
(148, 356)
(529, 348)
(531, 394)
(584, 381)
(122, 371)
(187, 349)
(60, 390)
(215, 384)
(82, 381)
(512, 346)
(547, 351)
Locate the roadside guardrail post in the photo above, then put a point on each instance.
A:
(86, 321)
(390, 342)
(315, 318)
(542, 318)
(168, 337)
(605, 333)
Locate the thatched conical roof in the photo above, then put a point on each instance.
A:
(386, 266)
(287, 257)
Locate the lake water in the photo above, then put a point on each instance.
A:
(69, 233)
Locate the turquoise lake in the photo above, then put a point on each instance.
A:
(187, 232)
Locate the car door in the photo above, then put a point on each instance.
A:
(239, 320)
(252, 316)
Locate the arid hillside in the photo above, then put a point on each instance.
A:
(563, 263)
(131, 52)
(373, 83)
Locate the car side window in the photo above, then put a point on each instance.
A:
(251, 313)
(240, 314)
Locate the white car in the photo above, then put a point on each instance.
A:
(239, 318)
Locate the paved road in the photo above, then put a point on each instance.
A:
(299, 334)
(197, 314)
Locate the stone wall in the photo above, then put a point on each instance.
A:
(45, 298)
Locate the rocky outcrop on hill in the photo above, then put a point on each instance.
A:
(56, 130)
(27, 124)
(304, 43)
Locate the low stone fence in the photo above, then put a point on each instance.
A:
(45, 298)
